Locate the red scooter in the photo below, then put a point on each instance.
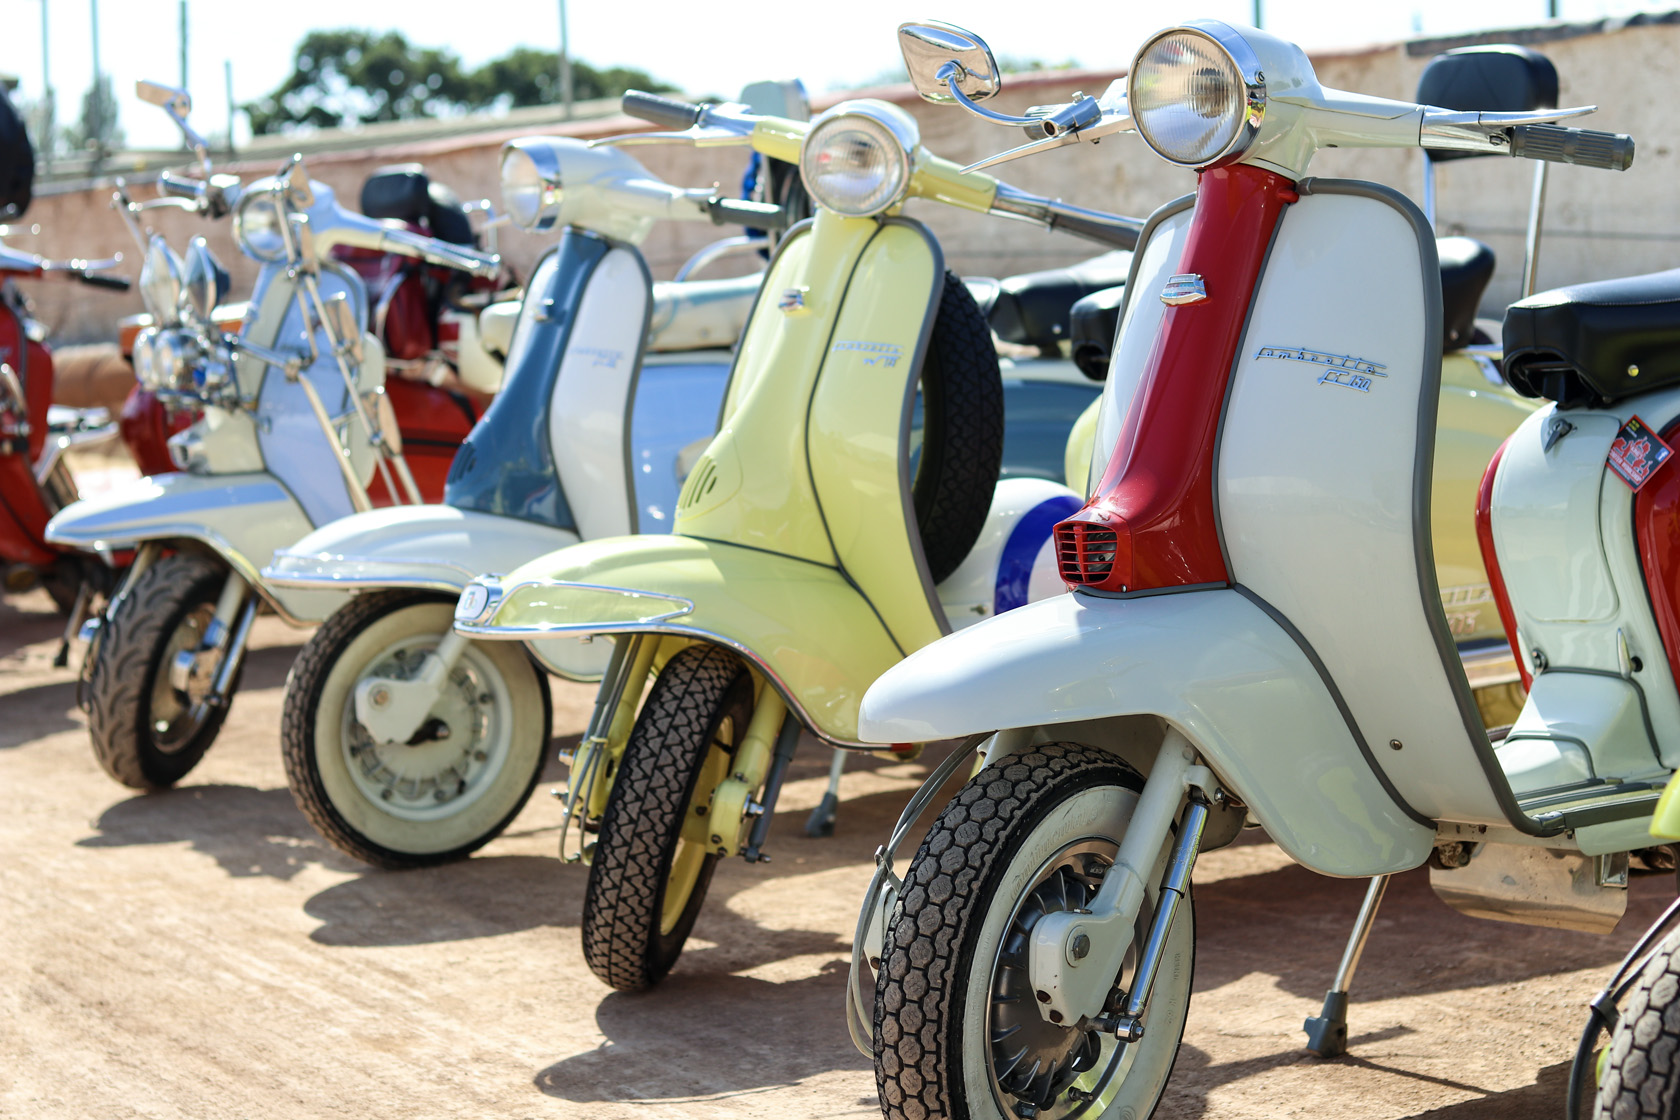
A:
(35, 481)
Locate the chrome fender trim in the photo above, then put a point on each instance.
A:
(1210, 663)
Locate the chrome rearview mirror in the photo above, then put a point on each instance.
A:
(205, 283)
(342, 322)
(947, 64)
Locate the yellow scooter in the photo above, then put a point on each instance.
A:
(811, 538)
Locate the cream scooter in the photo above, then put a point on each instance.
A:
(396, 759)
(1254, 632)
(811, 549)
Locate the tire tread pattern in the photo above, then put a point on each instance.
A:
(1642, 1072)
(120, 678)
(644, 818)
(922, 977)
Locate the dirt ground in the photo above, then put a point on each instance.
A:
(201, 953)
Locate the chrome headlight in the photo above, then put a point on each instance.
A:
(145, 367)
(161, 278)
(1197, 95)
(856, 158)
(531, 184)
(174, 354)
(257, 226)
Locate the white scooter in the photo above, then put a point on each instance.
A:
(1254, 633)
(406, 744)
(295, 428)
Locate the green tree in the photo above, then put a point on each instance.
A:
(527, 76)
(98, 127)
(350, 76)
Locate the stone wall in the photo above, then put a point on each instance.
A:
(1598, 224)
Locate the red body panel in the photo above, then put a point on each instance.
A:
(1656, 525)
(1490, 561)
(146, 427)
(433, 423)
(1151, 519)
(23, 507)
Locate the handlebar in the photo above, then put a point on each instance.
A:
(1610, 151)
(441, 253)
(664, 111)
(104, 280)
(754, 215)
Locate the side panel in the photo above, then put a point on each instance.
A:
(858, 424)
(1329, 426)
(589, 412)
(677, 402)
(1140, 324)
(1210, 663)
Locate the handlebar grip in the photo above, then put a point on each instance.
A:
(1104, 233)
(753, 215)
(102, 280)
(1612, 151)
(660, 110)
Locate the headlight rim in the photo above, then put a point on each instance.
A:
(1244, 61)
(241, 236)
(899, 128)
(162, 266)
(550, 185)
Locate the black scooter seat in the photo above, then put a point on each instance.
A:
(1596, 343)
(1033, 309)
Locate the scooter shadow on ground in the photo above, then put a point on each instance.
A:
(248, 832)
(1313, 911)
(31, 713)
(638, 1063)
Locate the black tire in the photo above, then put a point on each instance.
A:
(992, 863)
(1641, 1079)
(381, 823)
(124, 682)
(962, 431)
(702, 699)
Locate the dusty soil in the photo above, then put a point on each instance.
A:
(201, 953)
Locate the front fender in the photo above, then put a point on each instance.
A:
(243, 517)
(812, 634)
(432, 547)
(1210, 663)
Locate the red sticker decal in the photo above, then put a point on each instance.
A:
(1637, 453)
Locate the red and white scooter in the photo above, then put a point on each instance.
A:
(1255, 634)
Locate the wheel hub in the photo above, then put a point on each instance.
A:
(447, 755)
(1034, 1059)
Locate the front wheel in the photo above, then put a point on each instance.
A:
(147, 730)
(450, 789)
(957, 1029)
(1641, 1076)
(652, 861)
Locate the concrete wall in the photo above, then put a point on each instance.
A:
(1598, 224)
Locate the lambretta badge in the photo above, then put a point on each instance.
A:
(602, 356)
(1339, 369)
(885, 354)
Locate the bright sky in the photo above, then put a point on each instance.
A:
(703, 47)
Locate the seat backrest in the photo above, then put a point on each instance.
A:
(397, 192)
(1032, 309)
(1094, 321)
(1491, 78)
(1466, 268)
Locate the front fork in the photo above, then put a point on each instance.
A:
(737, 820)
(205, 675)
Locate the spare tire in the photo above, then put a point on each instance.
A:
(962, 431)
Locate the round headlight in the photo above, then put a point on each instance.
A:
(1191, 100)
(173, 356)
(256, 226)
(856, 158)
(145, 367)
(530, 184)
(161, 280)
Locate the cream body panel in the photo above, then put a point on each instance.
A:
(1316, 483)
(1562, 514)
(1210, 663)
(589, 414)
(1153, 263)
(244, 517)
(1013, 561)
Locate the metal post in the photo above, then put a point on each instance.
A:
(1531, 246)
(227, 81)
(1551, 9)
(184, 84)
(1257, 13)
(565, 64)
(47, 97)
(98, 108)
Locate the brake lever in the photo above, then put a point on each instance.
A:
(1118, 122)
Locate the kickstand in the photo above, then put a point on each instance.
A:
(821, 820)
(1328, 1031)
(72, 626)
